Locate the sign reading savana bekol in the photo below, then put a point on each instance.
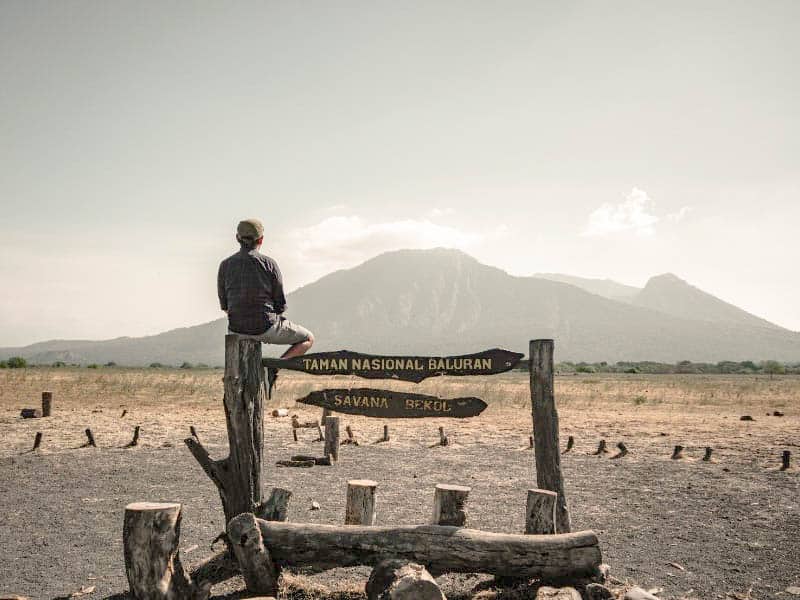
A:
(391, 404)
(405, 368)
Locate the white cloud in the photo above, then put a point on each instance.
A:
(345, 241)
(440, 212)
(636, 214)
(680, 215)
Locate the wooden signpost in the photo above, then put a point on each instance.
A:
(404, 368)
(388, 404)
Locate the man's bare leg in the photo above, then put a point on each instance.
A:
(299, 348)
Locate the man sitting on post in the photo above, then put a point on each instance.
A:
(250, 288)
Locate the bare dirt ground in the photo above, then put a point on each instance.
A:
(729, 528)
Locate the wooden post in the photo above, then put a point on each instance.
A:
(570, 444)
(332, 438)
(449, 505)
(402, 580)
(150, 538)
(545, 428)
(135, 440)
(443, 441)
(786, 458)
(360, 508)
(193, 433)
(326, 412)
(37, 441)
(47, 403)
(677, 453)
(321, 436)
(707, 455)
(601, 448)
(89, 439)
(540, 512)
(385, 433)
(238, 477)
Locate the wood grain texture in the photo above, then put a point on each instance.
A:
(332, 438)
(259, 572)
(390, 404)
(540, 512)
(545, 428)
(360, 505)
(442, 549)
(449, 505)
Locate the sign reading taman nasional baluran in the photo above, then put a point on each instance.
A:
(405, 368)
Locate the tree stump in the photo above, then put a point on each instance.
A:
(238, 477)
(449, 505)
(540, 512)
(332, 438)
(47, 403)
(402, 580)
(360, 508)
(545, 428)
(150, 539)
(259, 572)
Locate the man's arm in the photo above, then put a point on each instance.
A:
(278, 298)
(223, 299)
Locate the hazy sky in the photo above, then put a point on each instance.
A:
(602, 139)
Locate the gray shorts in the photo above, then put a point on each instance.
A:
(283, 332)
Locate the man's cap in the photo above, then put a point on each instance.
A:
(250, 228)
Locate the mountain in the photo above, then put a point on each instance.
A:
(446, 302)
(606, 288)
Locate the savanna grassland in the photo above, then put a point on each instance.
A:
(725, 528)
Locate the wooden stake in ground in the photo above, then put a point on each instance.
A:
(545, 428)
(449, 505)
(540, 512)
(401, 580)
(360, 507)
(443, 441)
(677, 453)
(601, 448)
(193, 433)
(570, 445)
(135, 440)
(47, 403)
(707, 455)
(786, 458)
(238, 477)
(37, 441)
(150, 538)
(90, 439)
(332, 438)
(350, 437)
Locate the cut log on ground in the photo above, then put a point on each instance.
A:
(280, 412)
(238, 477)
(332, 438)
(360, 507)
(259, 572)
(400, 580)
(47, 403)
(442, 549)
(303, 464)
(30, 413)
(150, 539)
(545, 428)
(540, 512)
(449, 505)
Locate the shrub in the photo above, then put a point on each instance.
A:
(186, 365)
(632, 370)
(585, 369)
(773, 367)
(17, 362)
(92, 366)
(110, 363)
(59, 363)
(156, 365)
(638, 400)
(3, 364)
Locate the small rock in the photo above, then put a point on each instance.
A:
(550, 593)
(315, 506)
(596, 591)
(746, 418)
(637, 593)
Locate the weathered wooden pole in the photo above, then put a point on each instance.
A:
(786, 458)
(135, 440)
(37, 441)
(449, 505)
(360, 507)
(238, 477)
(540, 512)
(545, 428)
(385, 433)
(150, 538)
(47, 403)
(332, 438)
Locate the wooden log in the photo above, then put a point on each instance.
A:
(601, 448)
(135, 440)
(276, 507)
(89, 439)
(570, 444)
(37, 441)
(442, 549)
(259, 572)
(238, 477)
(540, 512)
(296, 463)
(30, 413)
(332, 438)
(360, 506)
(449, 505)
(623, 450)
(786, 459)
(707, 455)
(47, 403)
(150, 539)
(545, 428)
(401, 580)
(443, 441)
(677, 453)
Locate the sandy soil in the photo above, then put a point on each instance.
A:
(729, 528)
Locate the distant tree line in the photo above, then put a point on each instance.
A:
(725, 367)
